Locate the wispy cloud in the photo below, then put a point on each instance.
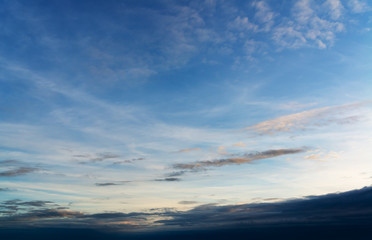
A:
(106, 184)
(99, 157)
(322, 156)
(168, 179)
(9, 162)
(128, 161)
(310, 28)
(18, 202)
(359, 6)
(335, 8)
(188, 150)
(246, 158)
(176, 174)
(239, 144)
(342, 114)
(17, 172)
(264, 14)
(242, 24)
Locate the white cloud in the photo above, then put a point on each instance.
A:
(343, 114)
(335, 8)
(310, 28)
(289, 37)
(264, 14)
(242, 24)
(303, 11)
(358, 6)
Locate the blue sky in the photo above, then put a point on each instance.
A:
(131, 106)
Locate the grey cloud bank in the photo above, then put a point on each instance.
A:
(323, 217)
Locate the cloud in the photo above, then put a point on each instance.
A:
(9, 162)
(264, 14)
(17, 172)
(36, 215)
(176, 174)
(169, 179)
(104, 156)
(98, 157)
(321, 156)
(17, 205)
(26, 203)
(242, 24)
(309, 119)
(188, 150)
(358, 6)
(310, 27)
(239, 144)
(335, 8)
(128, 161)
(246, 158)
(351, 207)
(106, 184)
(336, 209)
(4, 189)
(289, 37)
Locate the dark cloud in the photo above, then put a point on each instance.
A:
(41, 214)
(246, 158)
(128, 161)
(16, 205)
(35, 203)
(108, 155)
(4, 189)
(106, 184)
(117, 215)
(9, 162)
(353, 208)
(98, 157)
(104, 156)
(17, 172)
(169, 179)
(341, 208)
(27, 203)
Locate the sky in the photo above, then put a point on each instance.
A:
(133, 112)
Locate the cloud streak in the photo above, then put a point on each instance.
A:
(99, 157)
(246, 158)
(310, 119)
(168, 179)
(188, 150)
(17, 172)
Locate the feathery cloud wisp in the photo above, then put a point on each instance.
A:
(246, 158)
(311, 118)
(17, 172)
